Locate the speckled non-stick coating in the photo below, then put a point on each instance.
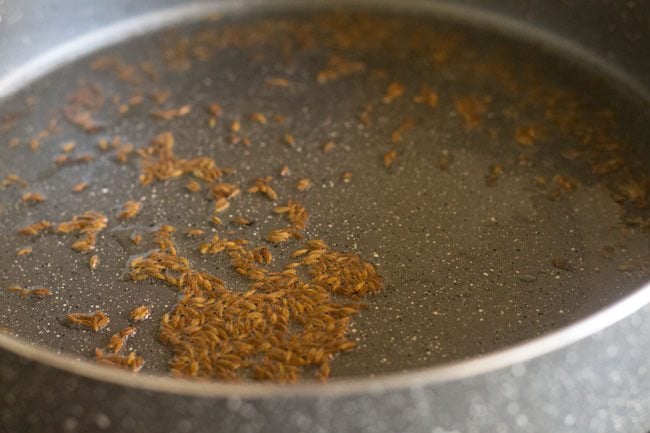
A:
(467, 267)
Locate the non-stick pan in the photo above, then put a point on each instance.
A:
(488, 160)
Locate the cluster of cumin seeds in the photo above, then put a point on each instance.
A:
(288, 321)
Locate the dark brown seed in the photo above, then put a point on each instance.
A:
(394, 91)
(471, 109)
(239, 220)
(140, 313)
(389, 158)
(93, 262)
(303, 184)
(171, 113)
(426, 96)
(36, 228)
(277, 82)
(129, 210)
(95, 321)
(79, 187)
(33, 197)
(329, 147)
(24, 251)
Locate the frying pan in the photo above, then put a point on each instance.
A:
(506, 308)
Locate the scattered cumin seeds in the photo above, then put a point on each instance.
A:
(389, 158)
(36, 228)
(445, 160)
(193, 186)
(95, 321)
(85, 244)
(329, 147)
(24, 251)
(406, 124)
(78, 116)
(527, 135)
(365, 116)
(87, 222)
(131, 362)
(123, 109)
(171, 113)
(539, 181)
(277, 82)
(129, 210)
(259, 118)
(224, 190)
(93, 262)
(262, 186)
(299, 253)
(16, 288)
(194, 233)
(221, 204)
(338, 67)
(79, 187)
(303, 184)
(61, 159)
(138, 314)
(33, 197)
(289, 139)
(565, 183)
(495, 172)
(471, 109)
(84, 158)
(122, 153)
(262, 255)
(119, 338)
(39, 292)
(240, 220)
(68, 146)
(215, 109)
(12, 179)
(393, 91)
(281, 209)
(103, 144)
(278, 236)
(426, 96)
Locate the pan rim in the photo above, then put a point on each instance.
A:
(20, 77)
(442, 373)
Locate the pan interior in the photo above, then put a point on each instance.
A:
(516, 204)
